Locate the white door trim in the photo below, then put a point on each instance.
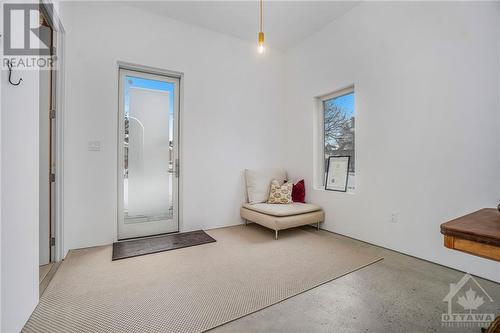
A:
(149, 70)
(60, 107)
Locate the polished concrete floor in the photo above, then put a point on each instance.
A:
(397, 294)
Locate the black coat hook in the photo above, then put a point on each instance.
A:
(10, 74)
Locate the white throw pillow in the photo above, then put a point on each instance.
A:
(258, 183)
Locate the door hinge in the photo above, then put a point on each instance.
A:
(52, 177)
(52, 241)
(52, 114)
(177, 171)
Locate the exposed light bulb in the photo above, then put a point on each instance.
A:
(261, 42)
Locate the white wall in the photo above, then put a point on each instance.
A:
(232, 114)
(426, 79)
(19, 150)
(19, 201)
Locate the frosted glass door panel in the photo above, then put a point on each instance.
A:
(148, 149)
(148, 153)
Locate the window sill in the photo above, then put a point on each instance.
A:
(322, 189)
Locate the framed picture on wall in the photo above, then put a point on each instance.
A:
(337, 171)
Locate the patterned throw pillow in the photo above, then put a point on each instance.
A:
(280, 194)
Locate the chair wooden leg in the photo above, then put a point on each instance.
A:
(276, 234)
(317, 225)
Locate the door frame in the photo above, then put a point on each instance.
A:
(58, 231)
(147, 70)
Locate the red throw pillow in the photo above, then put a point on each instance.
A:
(299, 192)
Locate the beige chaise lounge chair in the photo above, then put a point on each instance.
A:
(275, 216)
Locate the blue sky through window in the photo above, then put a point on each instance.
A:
(137, 82)
(345, 102)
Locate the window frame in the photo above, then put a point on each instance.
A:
(319, 165)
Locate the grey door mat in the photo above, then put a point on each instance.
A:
(139, 247)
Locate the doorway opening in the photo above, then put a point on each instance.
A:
(148, 154)
(47, 158)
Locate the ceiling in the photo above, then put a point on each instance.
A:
(286, 23)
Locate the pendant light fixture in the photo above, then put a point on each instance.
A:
(261, 33)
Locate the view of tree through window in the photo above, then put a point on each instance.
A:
(339, 120)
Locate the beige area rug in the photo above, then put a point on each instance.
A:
(192, 289)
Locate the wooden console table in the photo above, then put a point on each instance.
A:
(477, 233)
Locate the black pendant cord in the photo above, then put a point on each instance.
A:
(10, 75)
